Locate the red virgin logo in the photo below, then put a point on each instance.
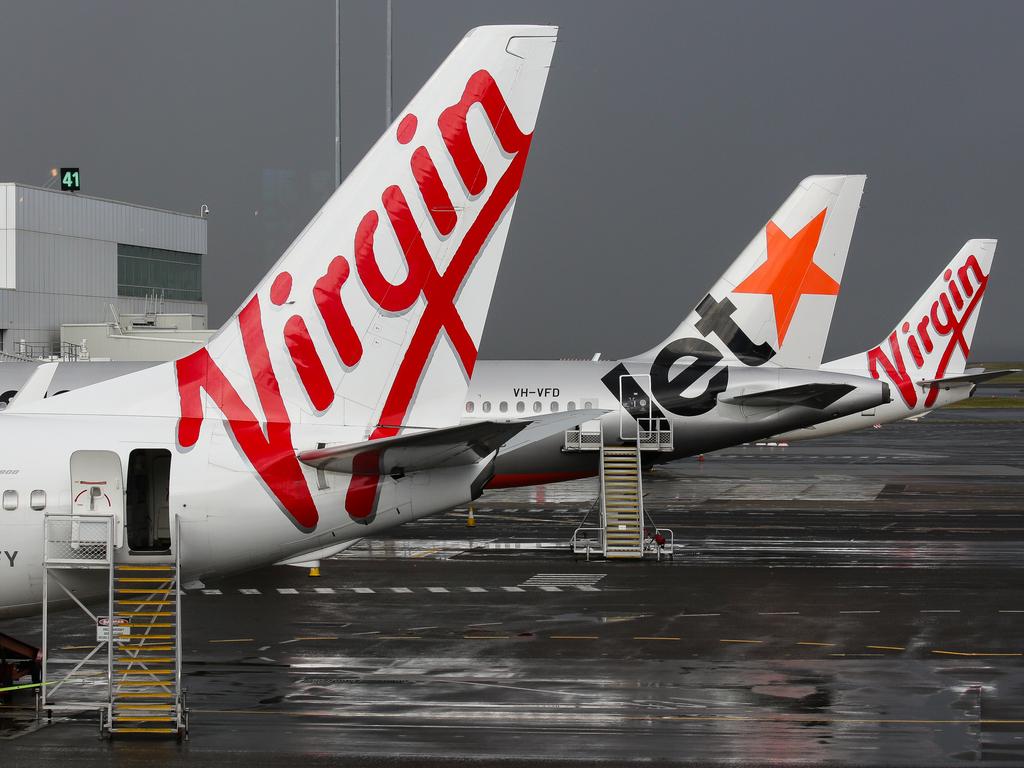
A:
(270, 450)
(939, 332)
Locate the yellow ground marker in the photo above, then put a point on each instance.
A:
(818, 645)
(886, 647)
(971, 653)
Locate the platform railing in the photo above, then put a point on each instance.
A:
(78, 541)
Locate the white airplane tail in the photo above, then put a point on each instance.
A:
(376, 310)
(931, 343)
(775, 302)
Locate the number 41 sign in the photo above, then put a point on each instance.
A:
(70, 180)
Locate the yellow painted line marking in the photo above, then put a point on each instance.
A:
(650, 637)
(741, 641)
(819, 645)
(317, 637)
(425, 552)
(969, 653)
(574, 637)
(887, 647)
(235, 640)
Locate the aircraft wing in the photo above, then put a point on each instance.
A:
(444, 447)
(808, 395)
(971, 376)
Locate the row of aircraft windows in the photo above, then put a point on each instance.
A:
(538, 406)
(36, 500)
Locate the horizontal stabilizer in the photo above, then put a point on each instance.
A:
(445, 447)
(34, 389)
(808, 395)
(972, 376)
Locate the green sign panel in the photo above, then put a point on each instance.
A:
(70, 180)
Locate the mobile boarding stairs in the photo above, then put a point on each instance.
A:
(625, 530)
(132, 675)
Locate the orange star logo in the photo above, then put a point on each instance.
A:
(790, 272)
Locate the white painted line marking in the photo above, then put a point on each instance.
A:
(437, 589)
(363, 590)
(1012, 611)
(287, 591)
(939, 610)
(513, 589)
(697, 615)
(402, 590)
(212, 592)
(324, 590)
(475, 589)
(587, 588)
(549, 588)
(250, 591)
(860, 611)
(778, 613)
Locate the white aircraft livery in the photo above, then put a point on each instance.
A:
(362, 337)
(924, 358)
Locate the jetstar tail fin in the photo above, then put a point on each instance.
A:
(775, 302)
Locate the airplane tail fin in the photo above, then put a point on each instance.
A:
(933, 340)
(373, 315)
(775, 302)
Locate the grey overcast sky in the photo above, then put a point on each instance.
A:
(669, 133)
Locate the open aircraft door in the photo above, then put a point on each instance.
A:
(97, 488)
(635, 403)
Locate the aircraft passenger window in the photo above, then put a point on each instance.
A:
(554, 406)
(37, 500)
(570, 406)
(520, 406)
(588, 404)
(469, 407)
(10, 500)
(537, 406)
(503, 406)
(487, 406)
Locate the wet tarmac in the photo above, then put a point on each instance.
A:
(852, 601)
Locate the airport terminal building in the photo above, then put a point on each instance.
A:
(126, 278)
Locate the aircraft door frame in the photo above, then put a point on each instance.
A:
(632, 405)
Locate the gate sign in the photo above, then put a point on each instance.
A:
(121, 629)
(70, 180)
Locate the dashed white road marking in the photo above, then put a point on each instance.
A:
(402, 590)
(324, 590)
(1012, 611)
(212, 592)
(550, 588)
(778, 613)
(437, 589)
(860, 611)
(250, 591)
(475, 589)
(513, 589)
(287, 591)
(363, 590)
